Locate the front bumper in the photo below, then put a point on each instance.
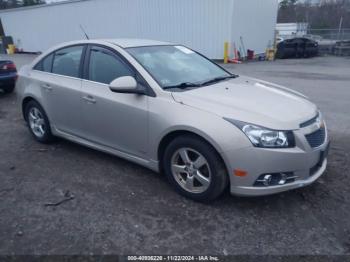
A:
(305, 163)
(260, 191)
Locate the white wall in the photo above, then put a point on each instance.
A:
(255, 21)
(200, 24)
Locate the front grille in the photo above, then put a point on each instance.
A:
(323, 156)
(316, 138)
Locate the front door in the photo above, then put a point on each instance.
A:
(115, 120)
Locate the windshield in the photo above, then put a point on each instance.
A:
(176, 66)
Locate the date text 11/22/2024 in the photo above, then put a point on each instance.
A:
(173, 258)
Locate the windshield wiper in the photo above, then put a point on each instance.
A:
(182, 85)
(189, 84)
(218, 79)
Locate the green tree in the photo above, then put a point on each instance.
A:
(33, 2)
(287, 11)
(6, 4)
(324, 15)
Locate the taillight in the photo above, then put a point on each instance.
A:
(9, 66)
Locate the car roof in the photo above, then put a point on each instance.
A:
(121, 42)
(134, 42)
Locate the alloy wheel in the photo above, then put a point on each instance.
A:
(191, 170)
(36, 122)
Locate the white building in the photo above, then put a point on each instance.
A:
(203, 25)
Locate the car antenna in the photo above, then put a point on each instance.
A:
(82, 29)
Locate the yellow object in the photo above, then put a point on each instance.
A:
(11, 49)
(270, 54)
(225, 52)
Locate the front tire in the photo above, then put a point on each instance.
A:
(194, 168)
(38, 123)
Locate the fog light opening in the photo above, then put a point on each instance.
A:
(283, 179)
(267, 180)
(275, 179)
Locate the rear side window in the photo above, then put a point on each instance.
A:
(67, 61)
(45, 64)
(105, 67)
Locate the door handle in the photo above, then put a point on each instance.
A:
(89, 99)
(46, 87)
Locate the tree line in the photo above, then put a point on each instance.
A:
(322, 14)
(6, 4)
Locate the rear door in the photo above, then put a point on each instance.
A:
(60, 82)
(115, 120)
(311, 47)
(290, 48)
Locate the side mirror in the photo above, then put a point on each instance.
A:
(125, 84)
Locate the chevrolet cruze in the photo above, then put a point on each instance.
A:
(170, 109)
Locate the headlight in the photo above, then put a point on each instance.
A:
(264, 137)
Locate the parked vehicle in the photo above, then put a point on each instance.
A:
(8, 75)
(297, 47)
(279, 39)
(172, 110)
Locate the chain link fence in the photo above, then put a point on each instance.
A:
(318, 34)
(330, 34)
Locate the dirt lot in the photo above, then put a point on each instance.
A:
(122, 208)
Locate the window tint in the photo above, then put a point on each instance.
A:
(67, 61)
(104, 67)
(39, 66)
(45, 64)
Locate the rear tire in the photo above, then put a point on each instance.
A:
(194, 168)
(37, 122)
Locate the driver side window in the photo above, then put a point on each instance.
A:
(104, 67)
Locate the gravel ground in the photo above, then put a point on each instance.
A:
(118, 207)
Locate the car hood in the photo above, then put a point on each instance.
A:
(253, 101)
